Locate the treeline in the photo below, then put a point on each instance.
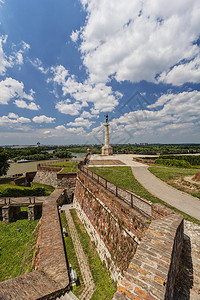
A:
(182, 161)
(36, 153)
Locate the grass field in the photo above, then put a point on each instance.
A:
(170, 176)
(17, 248)
(105, 287)
(123, 177)
(68, 166)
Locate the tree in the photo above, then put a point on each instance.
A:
(4, 165)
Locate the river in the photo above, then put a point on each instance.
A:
(18, 168)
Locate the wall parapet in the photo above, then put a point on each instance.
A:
(152, 271)
(133, 200)
(51, 278)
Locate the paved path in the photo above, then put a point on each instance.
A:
(182, 201)
(82, 259)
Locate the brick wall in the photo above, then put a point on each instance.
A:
(119, 227)
(152, 272)
(51, 278)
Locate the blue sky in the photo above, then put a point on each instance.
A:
(65, 64)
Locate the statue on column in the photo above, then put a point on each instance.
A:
(106, 149)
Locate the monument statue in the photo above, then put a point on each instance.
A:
(106, 149)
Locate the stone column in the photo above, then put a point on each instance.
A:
(106, 149)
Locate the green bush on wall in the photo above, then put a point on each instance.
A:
(16, 192)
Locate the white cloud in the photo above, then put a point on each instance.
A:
(16, 57)
(43, 119)
(184, 72)
(86, 114)
(12, 120)
(68, 108)
(80, 122)
(12, 89)
(99, 95)
(62, 130)
(74, 35)
(136, 40)
(23, 104)
(37, 63)
(179, 113)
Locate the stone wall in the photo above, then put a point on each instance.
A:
(115, 227)
(142, 255)
(152, 272)
(48, 175)
(51, 278)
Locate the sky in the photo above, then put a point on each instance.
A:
(65, 64)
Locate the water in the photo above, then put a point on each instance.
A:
(16, 168)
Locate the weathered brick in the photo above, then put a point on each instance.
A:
(137, 282)
(125, 292)
(144, 294)
(159, 280)
(126, 284)
(139, 270)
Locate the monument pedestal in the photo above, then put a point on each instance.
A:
(107, 150)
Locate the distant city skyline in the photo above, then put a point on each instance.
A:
(65, 64)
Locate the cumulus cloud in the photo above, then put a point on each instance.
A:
(74, 35)
(99, 95)
(24, 104)
(80, 122)
(15, 58)
(12, 89)
(12, 120)
(171, 113)
(137, 40)
(43, 119)
(37, 63)
(183, 72)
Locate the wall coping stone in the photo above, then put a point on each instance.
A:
(150, 272)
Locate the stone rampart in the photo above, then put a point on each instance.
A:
(51, 278)
(115, 227)
(51, 176)
(141, 254)
(152, 272)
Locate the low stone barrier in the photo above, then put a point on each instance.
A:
(51, 278)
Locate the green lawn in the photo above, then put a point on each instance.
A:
(166, 174)
(36, 189)
(17, 248)
(68, 166)
(105, 287)
(123, 177)
(169, 174)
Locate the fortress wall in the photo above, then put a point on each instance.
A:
(51, 278)
(48, 175)
(143, 258)
(153, 269)
(115, 227)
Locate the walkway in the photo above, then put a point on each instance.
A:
(82, 259)
(182, 201)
